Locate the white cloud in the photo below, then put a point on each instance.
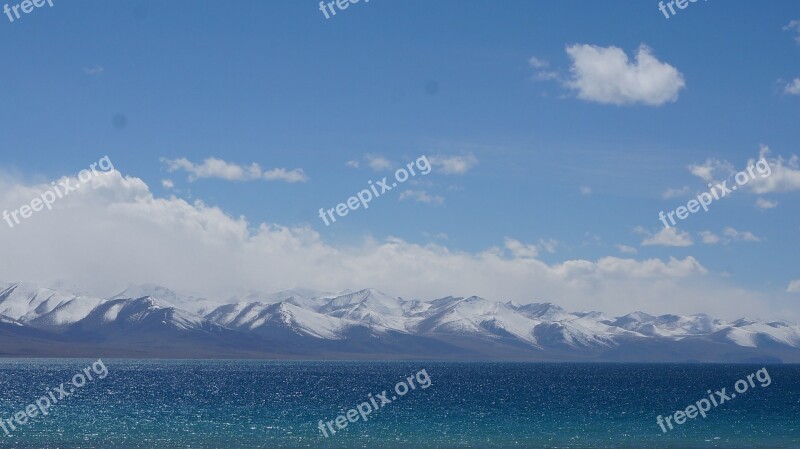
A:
(586, 190)
(669, 237)
(794, 286)
(739, 236)
(793, 88)
(606, 75)
(784, 174)
(540, 69)
(709, 238)
(217, 168)
(764, 204)
(281, 174)
(770, 174)
(199, 247)
(729, 235)
(548, 245)
(354, 164)
(519, 249)
(537, 63)
(453, 165)
(625, 249)
(675, 193)
(712, 169)
(421, 196)
(378, 162)
(94, 70)
(794, 25)
(167, 183)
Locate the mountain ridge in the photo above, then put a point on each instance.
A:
(366, 324)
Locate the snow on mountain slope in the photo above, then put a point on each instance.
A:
(370, 307)
(304, 298)
(672, 326)
(753, 333)
(477, 316)
(289, 314)
(259, 316)
(186, 301)
(142, 313)
(43, 307)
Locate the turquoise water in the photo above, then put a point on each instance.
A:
(256, 404)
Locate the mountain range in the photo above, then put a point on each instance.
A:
(153, 321)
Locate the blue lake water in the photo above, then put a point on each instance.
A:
(257, 404)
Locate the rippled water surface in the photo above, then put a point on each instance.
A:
(256, 404)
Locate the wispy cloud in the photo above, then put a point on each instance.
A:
(453, 165)
(541, 69)
(421, 196)
(217, 168)
(521, 250)
(765, 204)
(378, 162)
(94, 70)
(729, 235)
(793, 88)
(675, 193)
(794, 25)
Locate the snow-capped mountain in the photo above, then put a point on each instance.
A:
(150, 320)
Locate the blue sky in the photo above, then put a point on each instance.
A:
(566, 172)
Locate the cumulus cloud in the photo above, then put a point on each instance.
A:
(453, 165)
(794, 286)
(585, 190)
(770, 174)
(217, 168)
(115, 231)
(712, 170)
(784, 176)
(669, 237)
(421, 196)
(167, 183)
(625, 249)
(606, 75)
